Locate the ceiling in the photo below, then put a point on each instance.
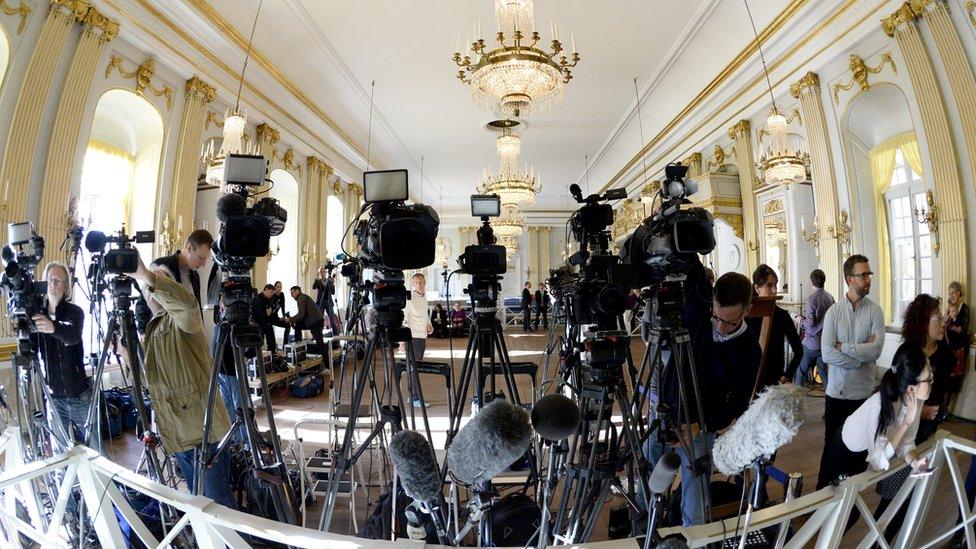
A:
(332, 50)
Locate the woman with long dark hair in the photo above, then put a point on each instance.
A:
(885, 425)
(924, 327)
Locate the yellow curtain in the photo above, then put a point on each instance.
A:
(882, 160)
(909, 149)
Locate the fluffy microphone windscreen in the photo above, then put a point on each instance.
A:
(230, 205)
(555, 417)
(416, 465)
(663, 474)
(95, 241)
(771, 421)
(489, 443)
(672, 543)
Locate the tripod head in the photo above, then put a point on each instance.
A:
(667, 302)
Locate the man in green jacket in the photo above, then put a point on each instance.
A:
(178, 376)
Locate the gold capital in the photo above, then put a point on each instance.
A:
(902, 15)
(810, 81)
(336, 188)
(267, 132)
(920, 6)
(200, 89)
(356, 189)
(96, 20)
(740, 128)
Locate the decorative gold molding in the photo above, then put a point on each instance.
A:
(734, 220)
(266, 132)
(336, 188)
(773, 206)
(213, 118)
(970, 7)
(23, 10)
(289, 161)
(96, 20)
(200, 89)
(356, 190)
(809, 81)
(860, 71)
(741, 127)
(143, 76)
(694, 162)
(902, 15)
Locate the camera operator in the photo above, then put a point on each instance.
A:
(308, 318)
(324, 286)
(59, 346)
(726, 359)
(263, 307)
(182, 267)
(178, 375)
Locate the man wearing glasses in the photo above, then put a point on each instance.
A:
(851, 342)
(727, 359)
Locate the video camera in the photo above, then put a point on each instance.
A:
(665, 241)
(122, 259)
(485, 257)
(245, 231)
(25, 297)
(396, 236)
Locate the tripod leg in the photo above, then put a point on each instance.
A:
(411, 365)
(208, 409)
(94, 417)
(340, 463)
(506, 362)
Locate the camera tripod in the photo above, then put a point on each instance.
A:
(598, 451)
(389, 300)
(245, 340)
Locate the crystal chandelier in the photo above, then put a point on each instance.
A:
(514, 185)
(511, 245)
(233, 143)
(780, 163)
(516, 77)
(510, 223)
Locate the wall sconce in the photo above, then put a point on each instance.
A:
(304, 258)
(842, 232)
(812, 238)
(167, 236)
(752, 245)
(930, 216)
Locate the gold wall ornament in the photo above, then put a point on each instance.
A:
(143, 76)
(930, 216)
(741, 127)
(96, 20)
(752, 245)
(734, 220)
(970, 7)
(266, 132)
(167, 236)
(860, 71)
(289, 161)
(214, 118)
(23, 10)
(902, 15)
(773, 206)
(317, 166)
(842, 232)
(694, 164)
(651, 188)
(809, 81)
(195, 87)
(336, 188)
(305, 258)
(356, 190)
(719, 155)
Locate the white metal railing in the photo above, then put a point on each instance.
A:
(214, 526)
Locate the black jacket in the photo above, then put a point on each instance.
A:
(171, 262)
(781, 328)
(526, 297)
(62, 352)
(262, 308)
(537, 304)
(324, 291)
(307, 314)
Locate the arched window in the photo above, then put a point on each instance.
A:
(121, 171)
(4, 54)
(283, 265)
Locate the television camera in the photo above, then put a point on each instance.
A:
(25, 296)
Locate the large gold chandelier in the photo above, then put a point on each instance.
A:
(233, 143)
(510, 223)
(516, 77)
(516, 186)
(780, 163)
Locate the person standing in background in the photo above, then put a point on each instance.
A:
(813, 316)
(775, 369)
(416, 318)
(852, 340)
(279, 309)
(956, 336)
(526, 311)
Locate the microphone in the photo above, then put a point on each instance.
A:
(663, 474)
(420, 477)
(771, 421)
(555, 417)
(95, 242)
(673, 542)
(416, 465)
(576, 191)
(230, 205)
(489, 443)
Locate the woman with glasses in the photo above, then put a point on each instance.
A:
(885, 425)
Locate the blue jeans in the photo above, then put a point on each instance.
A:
(694, 491)
(74, 410)
(231, 397)
(216, 479)
(810, 357)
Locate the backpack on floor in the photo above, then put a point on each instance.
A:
(307, 386)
